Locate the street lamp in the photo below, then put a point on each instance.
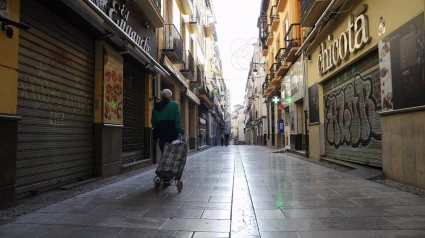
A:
(261, 64)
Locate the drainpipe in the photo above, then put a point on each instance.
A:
(316, 27)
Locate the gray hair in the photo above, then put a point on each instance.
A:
(166, 93)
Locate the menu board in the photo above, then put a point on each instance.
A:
(112, 86)
(402, 66)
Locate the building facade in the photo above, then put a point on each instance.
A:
(79, 81)
(365, 78)
(256, 112)
(281, 35)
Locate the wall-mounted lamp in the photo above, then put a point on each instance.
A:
(261, 64)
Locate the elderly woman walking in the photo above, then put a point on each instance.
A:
(166, 120)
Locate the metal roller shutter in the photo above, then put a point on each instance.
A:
(55, 100)
(133, 132)
(352, 101)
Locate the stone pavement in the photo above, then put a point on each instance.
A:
(238, 191)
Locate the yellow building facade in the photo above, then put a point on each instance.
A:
(365, 76)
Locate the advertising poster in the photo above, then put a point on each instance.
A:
(4, 9)
(112, 86)
(402, 66)
(313, 100)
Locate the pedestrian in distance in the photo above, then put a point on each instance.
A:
(222, 140)
(166, 120)
(226, 137)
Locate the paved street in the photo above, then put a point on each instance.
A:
(238, 191)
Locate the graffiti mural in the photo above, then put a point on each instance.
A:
(351, 115)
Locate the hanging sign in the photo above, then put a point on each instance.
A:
(276, 100)
(280, 107)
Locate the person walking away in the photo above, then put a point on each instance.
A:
(226, 137)
(222, 140)
(166, 120)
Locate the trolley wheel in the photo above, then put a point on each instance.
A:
(156, 185)
(180, 186)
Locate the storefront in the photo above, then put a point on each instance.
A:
(345, 91)
(55, 101)
(81, 92)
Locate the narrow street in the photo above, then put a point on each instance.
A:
(238, 191)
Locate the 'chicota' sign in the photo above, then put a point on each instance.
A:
(119, 12)
(356, 36)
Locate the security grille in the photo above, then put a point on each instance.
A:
(352, 100)
(55, 100)
(133, 134)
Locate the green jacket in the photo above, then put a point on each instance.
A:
(166, 120)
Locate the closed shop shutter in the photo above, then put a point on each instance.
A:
(352, 101)
(55, 100)
(133, 132)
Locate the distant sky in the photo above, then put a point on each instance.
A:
(236, 31)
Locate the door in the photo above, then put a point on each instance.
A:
(133, 132)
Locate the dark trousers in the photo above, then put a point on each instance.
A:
(226, 141)
(162, 142)
(222, 142)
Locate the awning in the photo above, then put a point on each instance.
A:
(175, 72)
(96, 15)
(193, 97)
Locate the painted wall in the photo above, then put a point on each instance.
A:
(9, 64)
(403, 140)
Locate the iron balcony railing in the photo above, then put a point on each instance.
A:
(268, 78)
(280, 57)
(195, 18)
(293, 36)
(265, 86)
(273, 70)
(273, 13)
(157, 4)
(188, 65)
(173, 40)
(305, 8)
(262, 25)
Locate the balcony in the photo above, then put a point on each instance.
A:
(209, 27)
(311, 10)
(188, 68)
(293, 42)
(270, 35)
(173, 44)
(186, 7)
(263, 33)
(152, 10)
(274, 18)
(195, 23)
(282, 65)
(198, 80)
(281, 5)
(273, 74)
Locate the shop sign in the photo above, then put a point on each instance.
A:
(356, 36)
(119, 11)
(280, 107)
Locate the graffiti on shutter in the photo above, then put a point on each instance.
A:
(351, 114)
